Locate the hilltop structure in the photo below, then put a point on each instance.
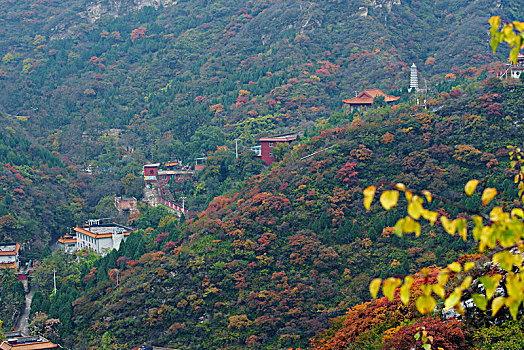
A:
(365, 99)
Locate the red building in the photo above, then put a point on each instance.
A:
(175, 170)
(151, 172)
(365, 99)
(267, 144)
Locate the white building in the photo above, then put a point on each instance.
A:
(9, 257)
(67, 243)
(102, 238)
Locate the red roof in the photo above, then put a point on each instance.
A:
(366, 97)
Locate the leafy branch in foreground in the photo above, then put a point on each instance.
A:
(500, 231)
(510, 32)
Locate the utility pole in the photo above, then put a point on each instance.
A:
(117, 272)
(426, 94)
(236, 148)
(183, 202)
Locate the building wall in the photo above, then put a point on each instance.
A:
(104, 245)
(67, 247)
(150, 174)
(266, 155)
(150, 171)
(7, 259)
(99, 245)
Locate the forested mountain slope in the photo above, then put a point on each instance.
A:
(40, 191)
(268, 266)
(163, 75)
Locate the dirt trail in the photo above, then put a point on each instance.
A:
(23, 324)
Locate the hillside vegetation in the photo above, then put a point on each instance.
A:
(269, 257)
(270, 265)
(191, 70)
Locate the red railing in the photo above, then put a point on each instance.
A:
(173, 206)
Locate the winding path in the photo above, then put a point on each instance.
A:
(23, 323)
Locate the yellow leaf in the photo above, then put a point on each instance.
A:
(369, 194)
(410, 226)
(490, 284)
(458, 309)
(497, 303)
(504, 259)
(497, 214)
(405, 289)
(448, 225)
(426, 289)
(443, 277)
(514, 53)
(374, 286)
(455, 267)
(488, 194)
(513, 286)
(427, 195)
(468, 266)
(409, 195)
(439, 290)
(517, 212)
(389, 199)
(400, 187)
(453, 299)
(389, 287)
(399, 227)
(513, 307)
(480, 301)
(471, 186)
(477, 230)
(431, 216)
(415, 208)
(466, 283)
(425, 304)
(462, 228)
(495, 24)
(519, 26)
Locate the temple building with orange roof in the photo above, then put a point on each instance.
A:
(67, 242)
(365, 99)
(102, 238)
(9, 255)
